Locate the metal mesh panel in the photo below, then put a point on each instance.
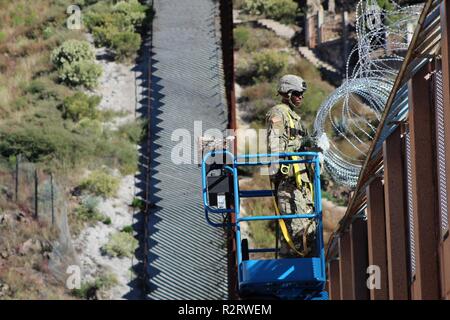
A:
(412, 244)
(187, 257)
(442, 185)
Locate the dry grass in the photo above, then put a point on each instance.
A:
(26, 273)
(24, 51)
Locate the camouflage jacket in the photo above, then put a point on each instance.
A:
(280, 136)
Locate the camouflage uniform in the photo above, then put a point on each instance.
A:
(290, 198)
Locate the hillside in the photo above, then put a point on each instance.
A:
(68, 144)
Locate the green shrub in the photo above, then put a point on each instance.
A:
(72, 51)
(265, 66)
(90, 127)
(103, 35)
(125, 44)
(242, 35)
(99, 17)
(252, 40)
(281, 10)
(138, 203)
(48, 32)
(80, 106)
(101, 183)
(107, 221)
(38, 88)
(121, 147)
(132, 131)
(130, 12)
(87, 211)
(2, 36)
(81, 73)
(105, 281)
(45, 89)
(42, 143)
(245, 71)
(120, 244)
(75, 61)
(127, 229)
(115, 26)
(85, 289)
(126, 155)
(269, 65)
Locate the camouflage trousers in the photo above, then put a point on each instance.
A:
(292, 200)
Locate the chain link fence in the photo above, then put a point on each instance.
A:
(37, 192)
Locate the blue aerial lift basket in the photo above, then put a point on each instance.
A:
(293, 278)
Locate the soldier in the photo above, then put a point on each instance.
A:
(294, 195)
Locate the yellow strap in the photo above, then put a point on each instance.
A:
(297, 171)
(284, 229)
(299, 182)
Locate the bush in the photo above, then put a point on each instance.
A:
(126, 154)
(138, 203)
(115, 26)
(269, 65)
(41, 89)
(253, 39)
(87, 211)
(132, 131)
(72, 51)
(103, 35)
(281, 10)
(130, 13)
(101, 183)
(90, 128)
(48, 32)
(128, 229)
(125, 44)
(266, 66)
(75, 61)
(81, 73)
(120, 244)
(241, 37)
(80, 106)
(245, 71)
(88, 289)
(99, 16)
(44, 143)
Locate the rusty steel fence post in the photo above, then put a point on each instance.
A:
(334, 285)
(376, 230)
(394, 197)
(347, 290)
(358, 231)
(445, 203)
(426, 283)
(226, 19)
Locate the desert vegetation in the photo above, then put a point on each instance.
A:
(50, 117)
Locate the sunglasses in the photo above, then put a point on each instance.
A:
(297, 94)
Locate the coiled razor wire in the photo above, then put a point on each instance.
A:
(382, 36)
